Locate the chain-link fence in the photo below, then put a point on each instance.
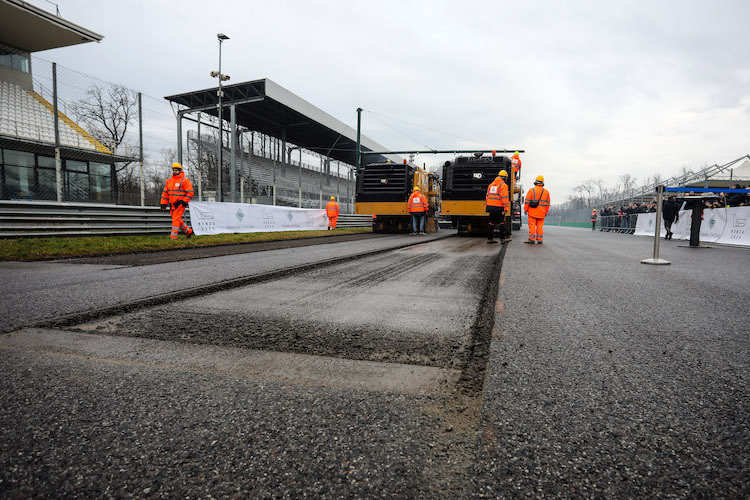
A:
(68, 136)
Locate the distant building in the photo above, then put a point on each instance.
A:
(28, 169)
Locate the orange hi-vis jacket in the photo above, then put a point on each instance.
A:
(497, 194)
(178, 187)
(418, 203)
(332, 209)
(516, 162)
(537, 193)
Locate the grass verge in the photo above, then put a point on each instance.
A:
(54, 248)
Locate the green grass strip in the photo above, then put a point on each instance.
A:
(82, 246)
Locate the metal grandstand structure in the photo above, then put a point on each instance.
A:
(717, 176)
(292, 124)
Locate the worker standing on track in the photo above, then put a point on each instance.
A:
(418, 207)
(177, 193)
(332, 211)
(496, 202)
(536, 206)
(593, 220)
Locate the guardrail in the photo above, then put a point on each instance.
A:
(38, 218)
(618, 223)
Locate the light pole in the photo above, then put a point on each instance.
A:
(220, 94)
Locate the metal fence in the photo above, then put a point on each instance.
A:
(68, 136)
(618, 223)
(29, 219)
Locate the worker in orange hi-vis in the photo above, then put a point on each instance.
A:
(418, 206)
(496, 202)
(177, 193)
(537, 206)
(332, 211)
(515, 161)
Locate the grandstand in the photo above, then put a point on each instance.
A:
(26, 115)
(28, 143)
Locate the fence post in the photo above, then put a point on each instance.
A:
(656, 260)
(200, 170)
(58, 160)
(233, 146)
(140, 150)
(179, 137)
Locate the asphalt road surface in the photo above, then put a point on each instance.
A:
(447, 368)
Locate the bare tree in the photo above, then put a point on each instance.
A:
(628, 182)
(587, 187)
(600, 186)
(106, 113)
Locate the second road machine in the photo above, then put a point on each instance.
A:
(383, 190)
(465, 182)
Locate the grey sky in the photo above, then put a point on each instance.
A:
(587, 88)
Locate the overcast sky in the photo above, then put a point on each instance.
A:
(587, 88)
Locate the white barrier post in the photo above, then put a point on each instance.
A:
(656, 260)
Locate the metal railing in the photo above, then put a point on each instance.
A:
(34, 219)
(617, 223)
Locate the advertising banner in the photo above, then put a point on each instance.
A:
(681, 228)
(712, 226)
(737, 230)
(719, 225)
(644, 225)
(216, 218)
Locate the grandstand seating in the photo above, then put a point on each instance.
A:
(27, 115)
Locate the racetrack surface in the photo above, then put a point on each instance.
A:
(611, 378)
(386, 376)
(357, 378)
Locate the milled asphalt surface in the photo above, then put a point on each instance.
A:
(35, 291)
(606, 378)
(611, 378)
(342, 381)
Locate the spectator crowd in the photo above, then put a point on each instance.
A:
(623, 219)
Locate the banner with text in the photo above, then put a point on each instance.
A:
(719, 225)
(737, 230)
(215, 218)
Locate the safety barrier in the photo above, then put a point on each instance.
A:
(28, 219)
(617, 223)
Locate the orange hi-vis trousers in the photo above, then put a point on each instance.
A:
(177, 223)
(536, 230)
(332, 221)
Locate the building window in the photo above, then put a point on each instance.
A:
(18, 175)
(76, 186)
(76, 166)
(18, 62)
(46, 178)
(29, 177)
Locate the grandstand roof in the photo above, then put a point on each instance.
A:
(267, 107)
(32, 29)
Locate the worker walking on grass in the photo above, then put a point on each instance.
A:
(332, 211)
(176, 195)
(496, 203)
(536, 206)
(418, 210)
